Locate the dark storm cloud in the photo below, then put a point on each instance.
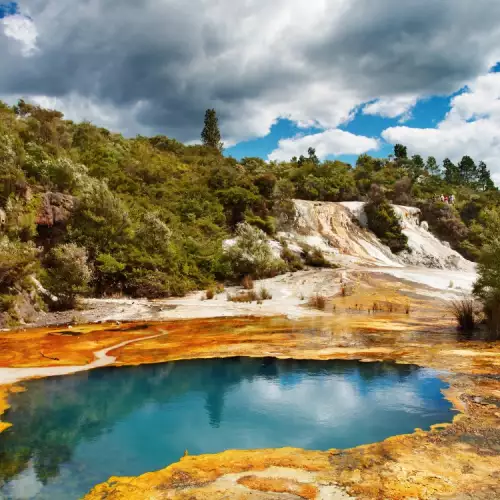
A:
(412, 46)
(254, 60)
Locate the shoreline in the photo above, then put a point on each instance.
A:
(425, 464)
(413, 466)
(290, 293)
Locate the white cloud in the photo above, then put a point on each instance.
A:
(471, 127)
(22, 30)
(254, 60)
(330, 142)
(78, 108)
(391, 107)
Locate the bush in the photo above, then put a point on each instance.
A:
(157, 284)
(267, 224)
(445, 223)
(383, 221)
(63, 175)
(464, 311)
(7, 303)
(213, 290)
(68, 273)
(17, 262)
(101, 221)
(265, 294)
(314, 257)
(109, 273)
(292, 260)
(318, 302)
(252, 255)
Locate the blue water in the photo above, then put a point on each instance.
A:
(70, 433)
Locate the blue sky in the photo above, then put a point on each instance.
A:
(7, 9)
(426, 114)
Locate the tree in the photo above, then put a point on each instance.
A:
(417, 166)
(210, 134)
(312, 156)
(484, 178)
(467, 170)
(432, 166)
(487, 287)
(451, 172)
(400, 152)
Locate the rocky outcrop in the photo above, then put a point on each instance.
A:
(56, 208)
(23, 308)
(340, 229)
(336, 231)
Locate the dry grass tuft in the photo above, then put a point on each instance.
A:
(250, 296)
(465, 313)
(247, 283)
(317, 302)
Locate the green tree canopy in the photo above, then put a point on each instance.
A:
(210, 134)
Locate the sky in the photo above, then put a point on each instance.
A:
(343, 76)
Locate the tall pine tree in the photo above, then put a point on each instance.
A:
(484, 178)
(432, 166)
(400, 152)
(451, 172)
(210, 134)
(467, 170)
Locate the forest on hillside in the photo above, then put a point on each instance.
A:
(87, 211)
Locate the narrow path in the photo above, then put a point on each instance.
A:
(12, 375)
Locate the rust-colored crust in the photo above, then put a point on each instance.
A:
(460, 460)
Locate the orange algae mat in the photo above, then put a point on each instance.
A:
(460, 460)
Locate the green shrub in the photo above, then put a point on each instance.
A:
(157, 284)
(252, 255)
(7, 303)
(293, 261)
(444, 221)
(383, 221)
(101, 222)
(18, 261)
(68, 273)
(109, 273)
(267, 224)
(314, 257)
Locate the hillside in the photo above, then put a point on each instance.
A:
(87, 211)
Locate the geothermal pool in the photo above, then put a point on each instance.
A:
(70, 433)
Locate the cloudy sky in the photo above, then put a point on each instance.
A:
(343, 76)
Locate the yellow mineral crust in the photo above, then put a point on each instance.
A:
(459, 461)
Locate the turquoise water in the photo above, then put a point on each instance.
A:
(73, 432)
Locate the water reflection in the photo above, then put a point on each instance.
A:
(72, 432)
